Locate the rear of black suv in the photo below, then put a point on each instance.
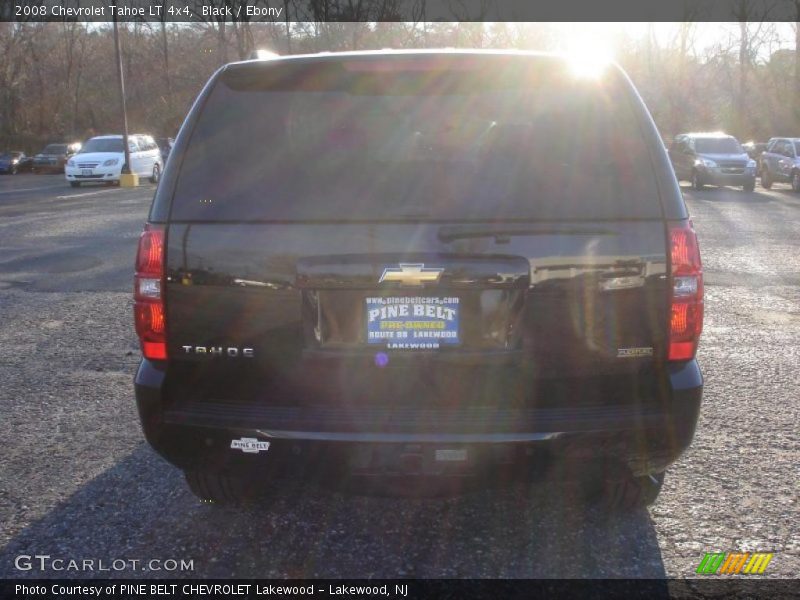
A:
(418, 263)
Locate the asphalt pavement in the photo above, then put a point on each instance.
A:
(78, 482)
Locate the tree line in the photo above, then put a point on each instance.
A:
(58, 81)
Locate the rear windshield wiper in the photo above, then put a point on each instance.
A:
(503, 233)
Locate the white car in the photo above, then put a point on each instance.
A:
(101, 159)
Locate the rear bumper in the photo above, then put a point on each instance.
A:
(646, 434)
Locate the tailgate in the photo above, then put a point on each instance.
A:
(292, 314)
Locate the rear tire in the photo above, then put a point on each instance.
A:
(697, 184)
(217, 487)
(631, 493)
(75, 183)
(796, 181)
(623, 492)
(766, 180)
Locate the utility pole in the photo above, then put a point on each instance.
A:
(127, 179)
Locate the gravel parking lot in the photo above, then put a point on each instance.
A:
(77, 480)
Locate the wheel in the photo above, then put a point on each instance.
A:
(156, 174)
(696, 183)
(749, 186)
(766, 180)
(629, 493)
(75, 183)
(217, 487)
(796, 181)
(13, 170)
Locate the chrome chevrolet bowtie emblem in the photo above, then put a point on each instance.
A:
(407, 274)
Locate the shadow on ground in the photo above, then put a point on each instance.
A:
(141, 509)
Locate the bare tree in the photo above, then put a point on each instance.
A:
(751, 17)
(73, 50)
(12, 75)
(167, 76)
(56, 79)
(797, 65)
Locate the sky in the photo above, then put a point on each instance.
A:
(602, 37)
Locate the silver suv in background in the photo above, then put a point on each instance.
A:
(780, 162)
(712, 159)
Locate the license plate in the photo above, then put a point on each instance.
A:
(412, 322)
(86, 171)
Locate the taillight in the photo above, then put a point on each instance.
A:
(686, 306)
(151, 325)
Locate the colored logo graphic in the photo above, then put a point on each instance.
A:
(734, 563)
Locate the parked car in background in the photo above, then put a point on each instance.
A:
(53, 158)
(101, 159)
(10, 161)
(165, 145)
(712, 159)
(781, 163)
(25, 164)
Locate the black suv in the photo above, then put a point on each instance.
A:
(712, 158)
(410, 268)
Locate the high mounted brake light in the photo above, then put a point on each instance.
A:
(423, 63)
(686, 301)
(148, 309)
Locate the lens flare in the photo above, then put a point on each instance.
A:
(588, 55)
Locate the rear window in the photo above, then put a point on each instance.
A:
(433, 138)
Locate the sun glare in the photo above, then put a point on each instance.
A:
(589, 52)
(266, 54)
